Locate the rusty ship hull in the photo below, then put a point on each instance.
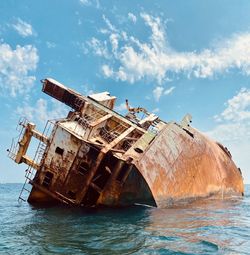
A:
(97, 157)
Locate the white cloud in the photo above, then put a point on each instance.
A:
(85, 2)
(98, 47)
(158, 33)
(230, 132)
(23, 28)
(155, 110)
(234, 121)
(94, 3)
(156, 59)
(110, 26)
(238, 108)
(157, 93)
(98, 5)
(169, 91)
(84, 47)
(50, 45)
(121, 107)
(42, 110)
(132, 17)
(15, 67)
(114, 42)
(233, 129)
(107, 71)
(79, 23)
(87, 89)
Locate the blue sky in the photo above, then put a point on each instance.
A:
(171, 57)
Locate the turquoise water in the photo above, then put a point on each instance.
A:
(210, 227)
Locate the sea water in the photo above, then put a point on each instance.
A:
(208, 227)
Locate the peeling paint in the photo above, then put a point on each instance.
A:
(96, 156)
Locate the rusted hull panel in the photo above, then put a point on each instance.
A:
(96, 157)
(183, 165)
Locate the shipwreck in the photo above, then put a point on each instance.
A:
(97, 157)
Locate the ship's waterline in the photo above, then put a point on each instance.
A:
(96, 156)
(210, 226)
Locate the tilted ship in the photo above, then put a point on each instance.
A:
(97, 157)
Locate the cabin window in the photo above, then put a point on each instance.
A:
(139, 150)
(83, 168)
(59, 150)
(99, 142)
(188, 132)
(47, 179)
(72, 194)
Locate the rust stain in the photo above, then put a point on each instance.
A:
(96, 156)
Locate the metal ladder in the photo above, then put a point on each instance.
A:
(30, 171)
(29, 175)
(15, 141)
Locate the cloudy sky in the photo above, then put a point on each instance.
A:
(171, 57)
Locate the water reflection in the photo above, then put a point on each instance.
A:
(67, 231)
(204, 227)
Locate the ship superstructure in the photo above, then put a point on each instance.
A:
(96, 156)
